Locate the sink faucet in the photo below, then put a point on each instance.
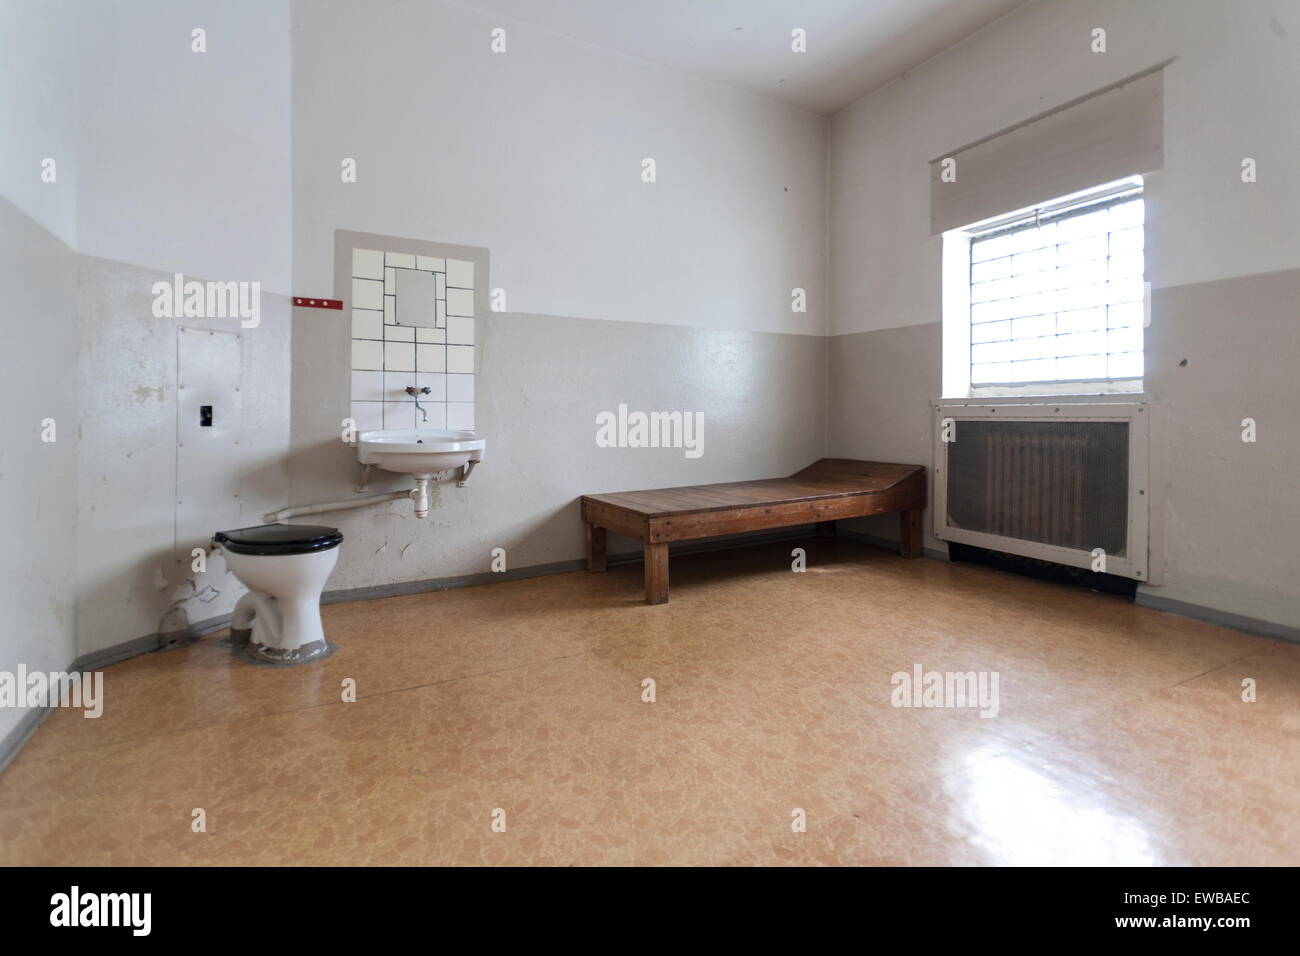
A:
(416, 393)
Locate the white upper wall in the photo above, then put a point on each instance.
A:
(185, 156)
(38, 111)
(536, 154)
(1229, 94)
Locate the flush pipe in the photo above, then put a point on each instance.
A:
(419, 494)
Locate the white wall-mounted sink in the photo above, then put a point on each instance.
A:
(420, 452)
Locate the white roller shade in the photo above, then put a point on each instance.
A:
(1103, 137)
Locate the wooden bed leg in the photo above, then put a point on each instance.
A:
(825, 529)
(595, 548)
(911, 528)
(656, 573)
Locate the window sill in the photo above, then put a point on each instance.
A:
(1065, 390)
(1073, 400)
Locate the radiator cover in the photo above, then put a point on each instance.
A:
(1064, 483)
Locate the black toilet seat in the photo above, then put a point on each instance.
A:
(279, 539)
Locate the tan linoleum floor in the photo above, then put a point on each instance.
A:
(1121, 736)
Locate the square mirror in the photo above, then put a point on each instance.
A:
(416, 298)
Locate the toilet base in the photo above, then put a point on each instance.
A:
(244, 648)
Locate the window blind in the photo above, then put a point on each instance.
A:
(1106, 136)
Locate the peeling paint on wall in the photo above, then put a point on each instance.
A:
(175, 621)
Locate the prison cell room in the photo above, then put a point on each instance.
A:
(563, 433)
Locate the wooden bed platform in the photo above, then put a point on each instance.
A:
(826, 490)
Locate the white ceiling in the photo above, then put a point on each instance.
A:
(854, 46)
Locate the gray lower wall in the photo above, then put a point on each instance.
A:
(1227, 513)
(1224, 513)
(881, 385)
(541, 382)
(38, 480)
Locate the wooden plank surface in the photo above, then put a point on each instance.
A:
(828, 478)
(774, 513)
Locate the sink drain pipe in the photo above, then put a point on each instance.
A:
(419, 494)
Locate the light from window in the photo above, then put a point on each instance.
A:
(1056, 294)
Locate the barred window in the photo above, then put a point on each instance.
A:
(1057, 292)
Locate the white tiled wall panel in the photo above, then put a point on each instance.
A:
(399, 414)
(460, 302)
(367, 386)
(460, 330)
(367, 264)
(367, 294)
(460, 273)
(460, 358)
(460, 388)
(436, 383)
(431, 358)
(367, 324)
(367, 355)
(396, 385)
(369, 416)
(387, 357)
(399, 357)
(460, 415)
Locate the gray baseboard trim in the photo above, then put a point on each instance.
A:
(192, 632)
(932, 553)
(1237, 622)
(13, 741)
(443, 584)
(118, 652)
(149, 643)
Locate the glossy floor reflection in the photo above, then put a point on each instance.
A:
(1121, 736)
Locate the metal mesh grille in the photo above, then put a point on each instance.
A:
(1060, 299)
(1059, 483)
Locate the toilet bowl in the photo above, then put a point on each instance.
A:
(285, 568)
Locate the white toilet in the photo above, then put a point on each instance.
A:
(285, 568)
